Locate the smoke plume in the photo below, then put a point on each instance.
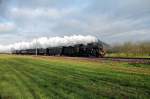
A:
(45, 42)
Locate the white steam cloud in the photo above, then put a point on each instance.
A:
(45, 42)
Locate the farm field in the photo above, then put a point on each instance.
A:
(31, 77)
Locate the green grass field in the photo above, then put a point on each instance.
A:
(28, 77)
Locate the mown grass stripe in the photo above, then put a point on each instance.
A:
(60, 78)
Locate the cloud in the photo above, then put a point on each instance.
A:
(28, 12)
(45, 12)
(130, 36)
(109, 20)
(7, 27)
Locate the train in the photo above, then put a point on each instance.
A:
(94, 49)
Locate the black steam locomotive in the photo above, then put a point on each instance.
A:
(79, 50)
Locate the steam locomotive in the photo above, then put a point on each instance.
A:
(94, 49)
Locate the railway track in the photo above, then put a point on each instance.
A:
(131, 60)
(118, 59)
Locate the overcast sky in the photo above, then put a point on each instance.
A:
(109, 20)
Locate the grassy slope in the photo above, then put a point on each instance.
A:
(23, 77)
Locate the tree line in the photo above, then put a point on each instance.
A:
(130, 49)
